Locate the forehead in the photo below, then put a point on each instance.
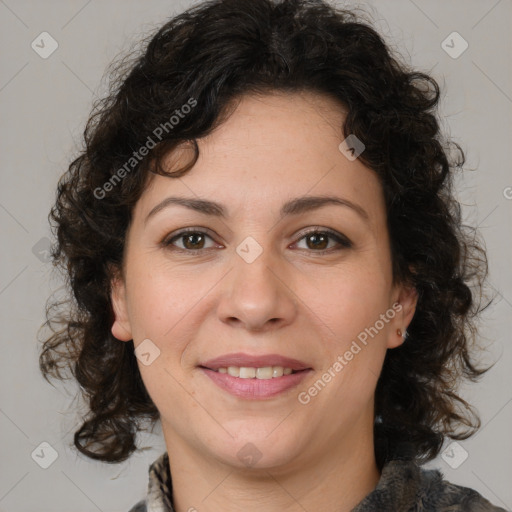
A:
(271, 148)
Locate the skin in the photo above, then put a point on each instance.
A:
(290, 300)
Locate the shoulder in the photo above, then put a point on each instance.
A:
(139, 507)
(407, 487)
(436, 493)
(159, 490)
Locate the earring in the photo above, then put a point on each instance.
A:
(399, 332)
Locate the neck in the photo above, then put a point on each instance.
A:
(336, 479)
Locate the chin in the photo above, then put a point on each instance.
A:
(256, 449)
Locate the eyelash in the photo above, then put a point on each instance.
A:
(344, 242)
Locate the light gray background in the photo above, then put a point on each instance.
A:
(44, 104)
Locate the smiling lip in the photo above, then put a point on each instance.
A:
(240, 359)
(255, 389)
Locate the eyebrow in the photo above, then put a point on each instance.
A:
(293, 207)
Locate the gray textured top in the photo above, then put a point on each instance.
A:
(403, 487)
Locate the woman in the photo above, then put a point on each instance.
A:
(266, 256)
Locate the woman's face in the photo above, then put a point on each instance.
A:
(252, 282)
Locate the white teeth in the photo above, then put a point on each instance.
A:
(277, 371)
(234, 371)
(247, 372)
(264, 373)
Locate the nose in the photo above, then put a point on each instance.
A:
(258, 295)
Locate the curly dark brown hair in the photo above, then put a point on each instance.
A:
(209, 57)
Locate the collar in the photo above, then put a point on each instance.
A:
(159, 497)
(404, 486)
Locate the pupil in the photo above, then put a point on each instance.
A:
(311, 237)
(191, 237)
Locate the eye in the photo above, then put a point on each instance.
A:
(193, 240)
(318, 239)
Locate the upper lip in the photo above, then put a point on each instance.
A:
(257, 361)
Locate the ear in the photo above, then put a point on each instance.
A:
(404, 304)
(121, 328)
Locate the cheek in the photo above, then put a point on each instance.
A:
(355, 315)
(157, 302)
(348, 302)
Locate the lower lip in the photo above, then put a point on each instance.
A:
(255, 388)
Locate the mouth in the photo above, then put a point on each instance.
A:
(249, 372)
(255, 377)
